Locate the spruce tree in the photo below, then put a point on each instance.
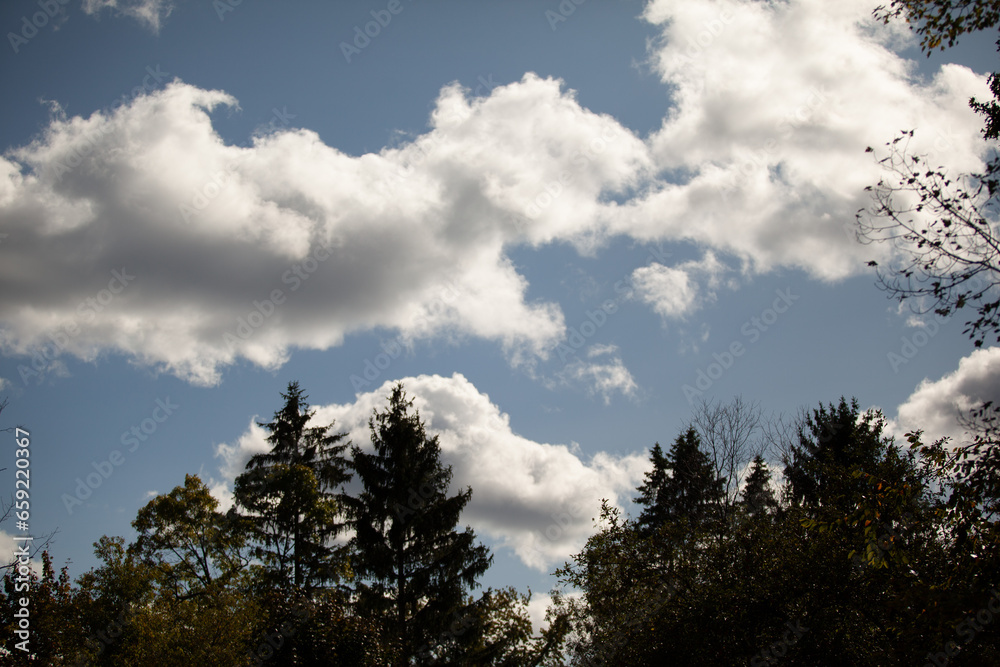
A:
(690, 492)
(289, 498)
(656, 479)
(835, 441)
(413, 565)
(757, 495)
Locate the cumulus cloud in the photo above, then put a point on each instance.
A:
(936, 405)
(150, 13)
(540, 507)
(248, 252)
(157, 239)
(673, 292)
(774, 104)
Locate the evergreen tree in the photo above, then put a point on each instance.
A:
(757, 494)
(654, 513)
(834, 440)
(290, 500)
(414, 566)
(690, 490)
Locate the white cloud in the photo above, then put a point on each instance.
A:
(150, 13)
(541, 505)
(604, 379)
(8, 553)
(935, 406)
(775, 103)
(674, 292)
(411, 238)
(760, 158)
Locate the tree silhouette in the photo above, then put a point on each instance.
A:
(682, 486)
(757, 495)
(414, 566)
(289, 497)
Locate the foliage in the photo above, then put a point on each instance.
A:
(195, 549)
(870, 554)
(940, 23)
(57, 634)
(288, 498)
(943, 229)
(682, 487)
(413, 564)
(757, 495)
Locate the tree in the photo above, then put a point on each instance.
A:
(850, 569)
(942, 232)
(990, 110)
(757, 495)
(655, 484)
(196, 549)
(834, 441)
(56, 633)
(414, 566)
(730, 436)
(937, 21)
(111, 599)
(289, 497)
(690, 493)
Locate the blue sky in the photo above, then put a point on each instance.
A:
(553, 222)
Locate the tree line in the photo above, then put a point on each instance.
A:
(862, 551)
(275, 580)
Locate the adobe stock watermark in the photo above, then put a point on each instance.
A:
(554, 188)
(752, 329)
(223, 7)
(779, 649)
(30, 27)
(373, 367)
(911, 345)
(399, 173)
(710, 31)
(204, 195)
(263, 309)
(150, 81)
(275, 640)
(381, 18)
(137, 435)
(966, 630)
(111, 632)
(88, 309)
(761, 158)
(638, 615)
(564, 10)
(578, 336)
(575, 512)
(459, 626)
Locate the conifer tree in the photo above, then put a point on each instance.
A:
(757, 495)
(289, 497)
(834, 440)
(655, 482)
(414, 566)
(690, 490)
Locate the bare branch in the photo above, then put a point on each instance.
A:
(944, 236)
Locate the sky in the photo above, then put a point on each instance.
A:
(560, 225)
